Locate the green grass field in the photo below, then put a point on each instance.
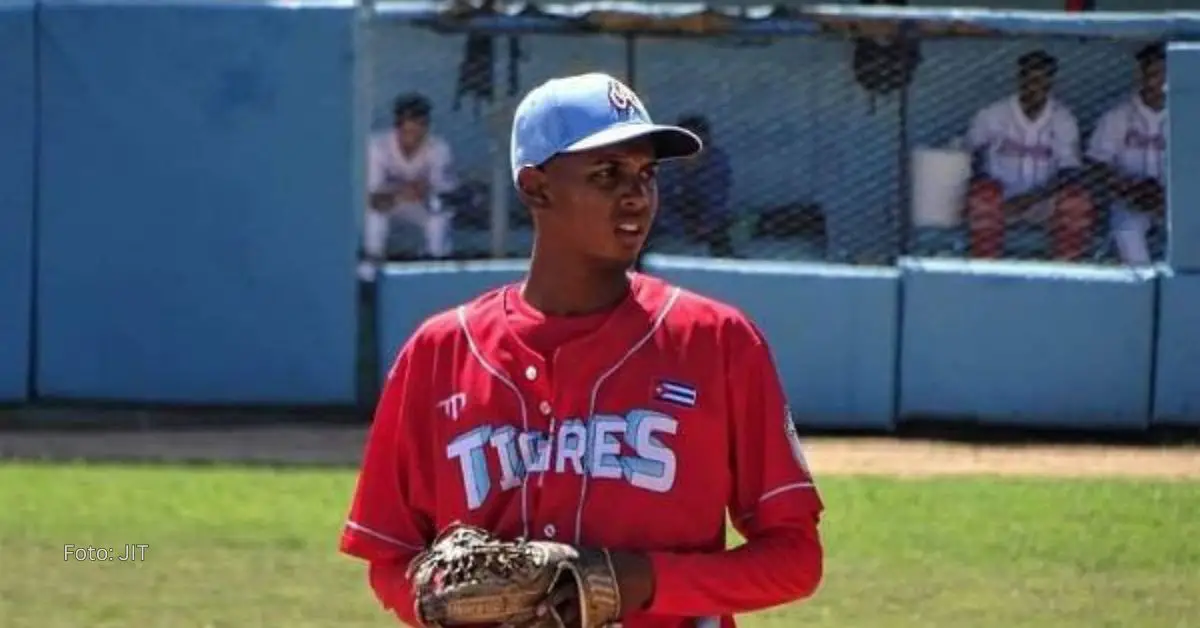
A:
(251, 547)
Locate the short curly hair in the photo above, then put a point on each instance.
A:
(1038, 60)
(411, 106)
(1151, 53)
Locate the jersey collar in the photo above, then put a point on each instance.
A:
(633, 320)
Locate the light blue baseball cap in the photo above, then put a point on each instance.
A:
(586, 111)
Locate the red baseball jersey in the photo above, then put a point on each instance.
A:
(646, 429)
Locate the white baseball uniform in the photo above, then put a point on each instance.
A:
(387, 170)
(1131, 138)
(1020, 153)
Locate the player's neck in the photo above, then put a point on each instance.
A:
(1155, 101)
(407, 151)
(573, 289)
(1033, 108)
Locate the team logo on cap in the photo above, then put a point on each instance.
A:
(622, 98)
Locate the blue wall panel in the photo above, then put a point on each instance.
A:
(1183, 157)
(1027, 344)
(200, 170)
(410, 293)
(17, 150)
(833, 330)
(1177, 384)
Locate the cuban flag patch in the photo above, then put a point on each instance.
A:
(676, 393)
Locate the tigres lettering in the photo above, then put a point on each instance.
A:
(593, 447)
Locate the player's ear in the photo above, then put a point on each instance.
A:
(531, 187)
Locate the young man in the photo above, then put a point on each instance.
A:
(592, 405)
(1027, 148)
(1127, 151)
(408, 169)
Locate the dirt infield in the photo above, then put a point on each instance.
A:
(827, 456)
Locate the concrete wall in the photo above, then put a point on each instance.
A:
(18, 128)
(196, 168)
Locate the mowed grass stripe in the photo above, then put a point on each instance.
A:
(237, 547)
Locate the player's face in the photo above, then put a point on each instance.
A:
(411, 132)
(602, 201)
(1034, 86)
(1154, 77)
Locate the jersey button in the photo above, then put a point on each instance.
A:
(544, 408)
(550, 531)
(531, 373)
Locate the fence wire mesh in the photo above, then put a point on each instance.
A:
(831, 155)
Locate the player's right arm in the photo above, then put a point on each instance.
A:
(1104, 146)
(1105, 141)
(388, 523)
(378, 197)
(978, 140)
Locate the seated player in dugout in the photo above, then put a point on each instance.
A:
(594, 406)
(695, 194)
(409, 169)
(1126, 158)
(1028, 168)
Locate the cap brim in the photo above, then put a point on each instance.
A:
(670, 142)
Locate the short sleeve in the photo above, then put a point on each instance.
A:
(773, 485)
(1066, 141)
(376, 166)
(979, 131)
(1105, 141)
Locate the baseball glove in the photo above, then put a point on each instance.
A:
(469, 577)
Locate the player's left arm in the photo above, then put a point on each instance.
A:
(774, 504)
(1066, 157)
(1067, 151)
(442, 175)
(378, 196)
(1104, 148)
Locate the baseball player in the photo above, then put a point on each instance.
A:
(1027, 147)
(1127, 150)
(592, 405)
(408, 169)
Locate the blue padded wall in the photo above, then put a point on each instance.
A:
(18, 129)
(1027, 343)
(1183, 156)
(833, 330)
(200, 172)
(410, 293)
(1177, 383)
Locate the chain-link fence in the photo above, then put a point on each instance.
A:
(1076, 178)
(826, 147)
